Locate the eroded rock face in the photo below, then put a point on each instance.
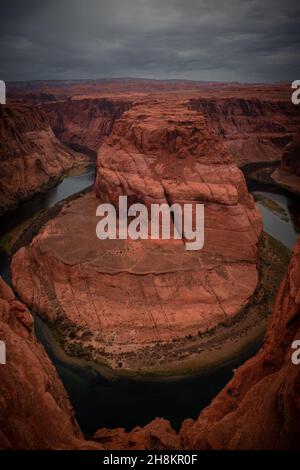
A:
(288, 173)
(31, 157)
(84, 123)
(291, 156)
(260, 407)
(253, 129)
(135, 305)
(35, 412)
(157, 435)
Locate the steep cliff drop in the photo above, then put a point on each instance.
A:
(268, 383)
(149, 306)
(254, 127)
(83, 123)
(260, 407)
(93, 291)
(31, 157)
(35, 412)
(287, 174)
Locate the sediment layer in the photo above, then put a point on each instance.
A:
(35, 412)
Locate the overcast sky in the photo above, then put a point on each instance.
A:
(221, 40)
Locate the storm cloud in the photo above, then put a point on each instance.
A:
(248, 41)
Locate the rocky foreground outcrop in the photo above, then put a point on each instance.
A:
(260, 406)
(31, 157)
(35, 412)
(157, 435)
(287, 174)
(253, 128)
(144, 306)
(258, 409)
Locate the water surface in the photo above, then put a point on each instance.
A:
(99, 402)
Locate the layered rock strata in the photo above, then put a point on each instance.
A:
(31, 157)
(135, 305)
(84, 123)
(35, 412)
(287, 174)
(260, 406)
(258, 409)
(253, 129)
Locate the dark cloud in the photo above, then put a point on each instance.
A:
(251, 40)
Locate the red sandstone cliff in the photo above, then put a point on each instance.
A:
(253, 129)
(31, 157)
(134, 305)
(255, 122)
(61, 271)
(35, 412)
(258, 409)
(291, 156)
(84, 123)
(260, 406)
(287, 174)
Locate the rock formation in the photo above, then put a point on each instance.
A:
(255, 122)
(291, 156)
(136, 305)
(147, 306)
(268, 383)
(287, 174)
(31, 157)
(84, 123)
(260, 406)
(258, 409)
(253, 129)
(157, 435)
(35, 412)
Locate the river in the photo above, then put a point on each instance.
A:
(99, 402)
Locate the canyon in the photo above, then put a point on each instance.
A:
(252, 129)
(287, 174)
(268, 382)
(149, 308)
(255, 122)
(83, 124)
(31, 157)
(142, 306)
(47, 128)
(35, 412)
